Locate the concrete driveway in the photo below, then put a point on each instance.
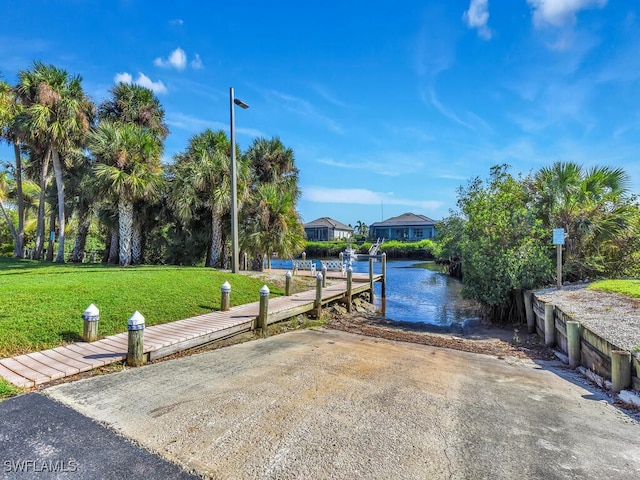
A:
(328, 404)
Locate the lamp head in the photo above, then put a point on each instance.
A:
(240, 103)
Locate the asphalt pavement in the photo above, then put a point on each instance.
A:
(43, 439)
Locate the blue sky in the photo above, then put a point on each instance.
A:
(388, 106)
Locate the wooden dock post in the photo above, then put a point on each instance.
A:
(324, 276)
(263, 316)
(318, 301)
(371, 292)
(384, 275)
(287, 283)
(528, 308)
(135, 350)
(573, 343)
(620, 370)
(349, 287)
(549, 325)
(90, 316)
(225, 297)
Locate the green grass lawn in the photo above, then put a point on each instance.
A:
(631, 288)
(42, 303)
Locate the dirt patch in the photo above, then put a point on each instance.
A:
(488, 340)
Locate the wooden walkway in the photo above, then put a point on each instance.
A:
(37, 368)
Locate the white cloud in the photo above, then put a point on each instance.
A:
(559, 13)
(177, 59)
(177, 21)
(477, 16)
(196, 63)
(361, 196)
(143, 80)
(123, 77)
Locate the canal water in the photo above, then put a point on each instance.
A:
(418, 293)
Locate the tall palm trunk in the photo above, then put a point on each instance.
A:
(52, 233)
(112, 257)
(136, 243)
(18, 251)
(12, 228)
(215, 253)
(57, 169)
(125, 229)
(84, 222)
(44, 178)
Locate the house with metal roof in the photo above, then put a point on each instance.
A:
(405, 227)
(325, 228)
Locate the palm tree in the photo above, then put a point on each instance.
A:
(201, 178)
(56, 117)
(131, 103)
(270, 221)
(9, 110)
(276, 227)
(127, 168)
(591, 205)
(136, 105)
(362, 228)
(273, 163)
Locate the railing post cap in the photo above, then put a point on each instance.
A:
(226, 287)
(91, 313)
(136, 321)
(264, 291)
(288, 275)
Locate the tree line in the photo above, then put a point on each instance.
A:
(499, 240)
(108, 177)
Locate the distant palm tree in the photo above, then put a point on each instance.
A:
(127, 169)
(56, 117)
(362, 228)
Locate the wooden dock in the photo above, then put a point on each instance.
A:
(42, 367)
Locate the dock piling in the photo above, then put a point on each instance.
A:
(263, 316)
(549, 325)
(287, 284)
(135, 350)
(318, 301)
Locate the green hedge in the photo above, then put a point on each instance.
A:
(422, 250)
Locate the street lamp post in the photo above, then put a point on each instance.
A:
(235, 250)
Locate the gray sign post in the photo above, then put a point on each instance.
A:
(558, 241)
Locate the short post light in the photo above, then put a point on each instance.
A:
(135, 351)
(90, 316)
(263, 317)
(287, 284)
(225, 297)
(324, 276)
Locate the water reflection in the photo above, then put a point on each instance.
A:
(419, 295)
